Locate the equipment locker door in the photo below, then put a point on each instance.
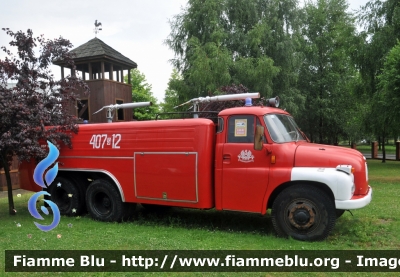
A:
(245, 170)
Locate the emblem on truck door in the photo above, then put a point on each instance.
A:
(246, 156)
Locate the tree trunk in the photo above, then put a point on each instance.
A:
(379, 143)
(9, 185)
(320, 130)
(383, 149)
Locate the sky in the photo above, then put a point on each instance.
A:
(135, 28)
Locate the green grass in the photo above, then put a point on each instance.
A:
(376, 226)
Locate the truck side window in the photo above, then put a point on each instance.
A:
(241, 129)
(220, 125)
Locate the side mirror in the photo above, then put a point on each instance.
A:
(258, 138)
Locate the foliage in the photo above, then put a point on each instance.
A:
(141, 92)
(389, 83)
(355, 113)
(171, 98)
(327, 73)
(223, 42)
(210, 64)
(313, 57)
(37, 100)
(381, 22)
(388, 96)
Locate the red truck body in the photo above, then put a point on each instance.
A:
(196, 163)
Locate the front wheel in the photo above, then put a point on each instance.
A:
(303, 212)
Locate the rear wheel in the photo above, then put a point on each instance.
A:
(303, 212)
(78, 181)
(65, 194)
(104, 202)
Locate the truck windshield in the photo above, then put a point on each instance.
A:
(282, 128)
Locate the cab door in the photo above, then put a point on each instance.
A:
(244, 170)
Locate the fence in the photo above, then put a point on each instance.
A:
(374, 154)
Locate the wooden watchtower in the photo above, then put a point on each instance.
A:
(103, 69)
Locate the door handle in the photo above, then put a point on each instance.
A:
(226, 158)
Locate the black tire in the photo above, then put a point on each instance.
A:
(339, 213)
(79, 183)
(303, 212)
(104, 202)
(65, 194)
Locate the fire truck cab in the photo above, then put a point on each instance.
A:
(252, 160)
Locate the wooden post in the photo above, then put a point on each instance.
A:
(129, 76)
(374, 150)
(353, 145)
(62, 72)
(397, 150)
(111, 72)
(122, 75)
(102, 70)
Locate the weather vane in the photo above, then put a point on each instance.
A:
(97, 28)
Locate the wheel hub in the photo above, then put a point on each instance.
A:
(102, 203)
(61, 198)
(106, 202)
(301, 215)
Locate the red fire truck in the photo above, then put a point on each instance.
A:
(250, 160)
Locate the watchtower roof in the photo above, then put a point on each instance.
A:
(96, 49)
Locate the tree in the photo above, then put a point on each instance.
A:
(223, 42)
(356, 112)
(141, 92)
(327, 71)
(171, 98)
(388, 96)
(381, 22)
(36, 101)
(389, 82)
